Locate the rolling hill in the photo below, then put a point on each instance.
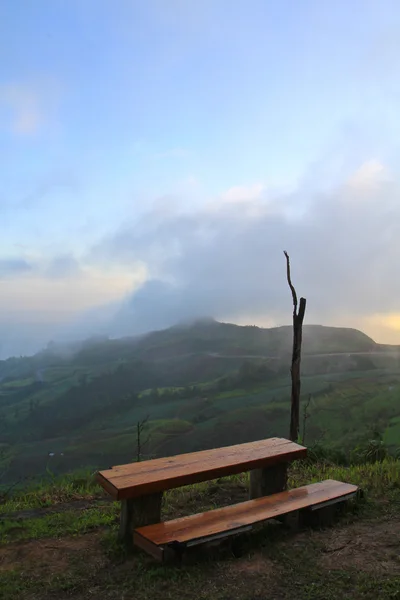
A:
(202, 336)
(199, 384)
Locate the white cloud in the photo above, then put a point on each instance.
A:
(370, 174)
(228, 262)
(38, 293)
(241, 193)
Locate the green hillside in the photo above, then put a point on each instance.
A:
(199, 385)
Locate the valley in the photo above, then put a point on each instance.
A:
(191, 387)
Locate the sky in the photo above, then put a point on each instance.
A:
(157, 158)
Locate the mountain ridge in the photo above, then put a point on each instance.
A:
(315, 337)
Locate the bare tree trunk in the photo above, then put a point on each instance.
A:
(298, 318)
(305, 417)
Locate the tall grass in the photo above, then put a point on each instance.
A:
(375, 478)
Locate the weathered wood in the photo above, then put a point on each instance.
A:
(138, 512)
(142, 478)
(298, 318)
(156, 551)
(267, 481)
(125, 521)
(233, 518)
(295, 370)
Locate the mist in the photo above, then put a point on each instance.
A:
(225, 259)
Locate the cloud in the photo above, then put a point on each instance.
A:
(371, 173)
(225, 260)
(243, 193)
(27, 271)
(66, 294)
(25, 107)
(61, 299)
(63, 267)
(228, 261)
(13, 267)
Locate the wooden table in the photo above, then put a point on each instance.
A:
(139, 486)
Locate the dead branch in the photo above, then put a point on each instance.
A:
(289, 279)
(298, 317)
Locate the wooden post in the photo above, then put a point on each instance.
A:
(267, 481)
(298, 318)
(138, 512)
(323, 517)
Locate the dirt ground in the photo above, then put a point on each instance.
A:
(357, 560)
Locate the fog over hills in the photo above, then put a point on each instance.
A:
(210, 336)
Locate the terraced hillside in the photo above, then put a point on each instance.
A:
(197, 386)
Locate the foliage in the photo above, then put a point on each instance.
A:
(374, 450)
(203, 384)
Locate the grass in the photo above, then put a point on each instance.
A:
(59, 524)
(51, 491)
(170, 426)
(376, 478)
(74, 553)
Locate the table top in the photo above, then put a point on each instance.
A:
(151, 476)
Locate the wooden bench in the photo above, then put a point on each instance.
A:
(139, 487)
(179, 534)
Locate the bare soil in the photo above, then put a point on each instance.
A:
(371, 548)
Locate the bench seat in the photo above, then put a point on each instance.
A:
(221, 522)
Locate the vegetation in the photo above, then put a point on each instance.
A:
(197, 386)
(58, 539)
(185, 389)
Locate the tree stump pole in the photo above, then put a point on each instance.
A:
(298, 318)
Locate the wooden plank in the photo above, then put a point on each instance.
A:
(148, 546)
(214, 522)
(137, 479)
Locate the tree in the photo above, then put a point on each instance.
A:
(298, 318)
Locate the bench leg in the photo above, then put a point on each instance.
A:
(323, 517)
(271, 480)
(138, 512)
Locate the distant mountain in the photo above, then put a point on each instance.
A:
(203, 336)
(211, 336)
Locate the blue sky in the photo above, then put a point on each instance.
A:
(118, 116)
